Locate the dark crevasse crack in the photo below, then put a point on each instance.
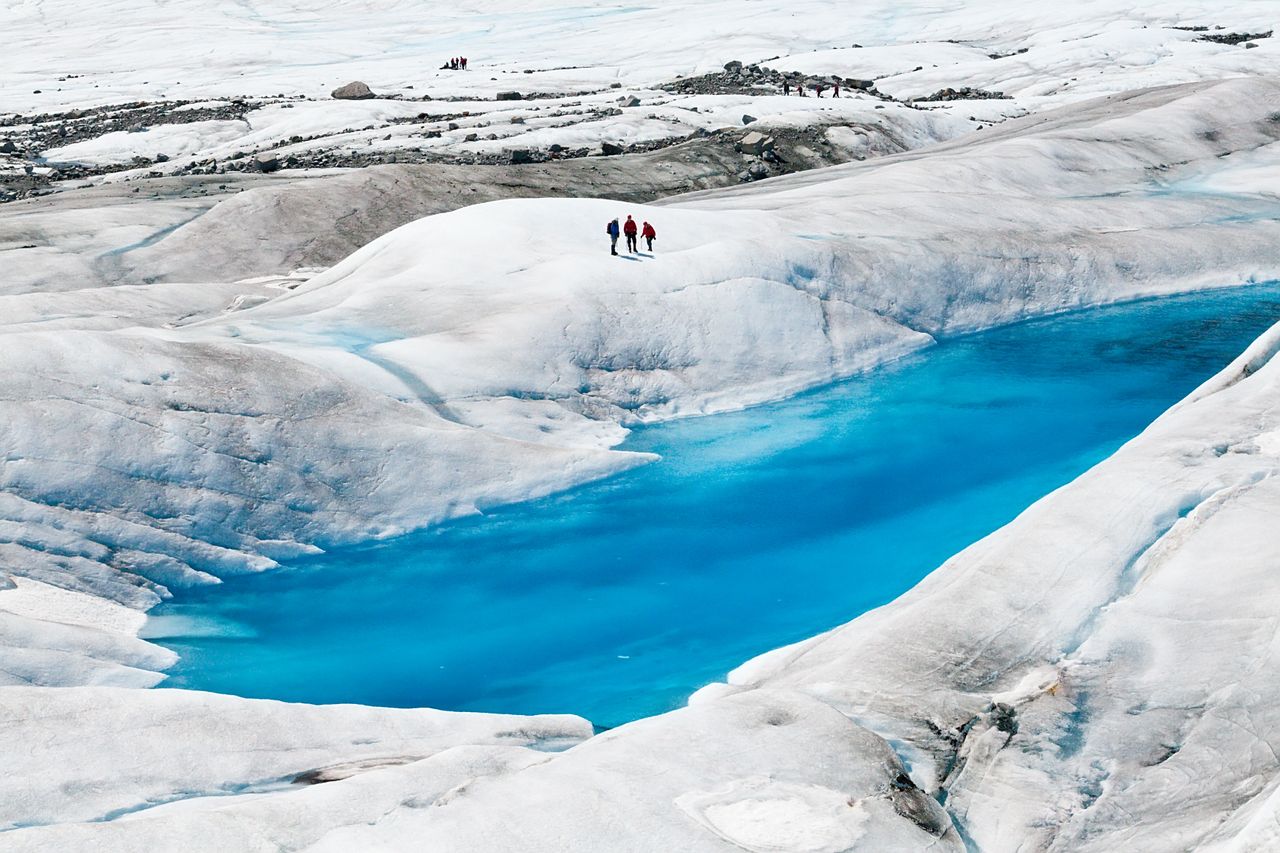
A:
(909, 800)
(918, 807)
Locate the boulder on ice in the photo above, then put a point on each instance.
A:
(354, 91)
(755, 143)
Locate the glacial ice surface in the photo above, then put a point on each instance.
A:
(1071, 682)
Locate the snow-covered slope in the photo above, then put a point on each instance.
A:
(230, 749)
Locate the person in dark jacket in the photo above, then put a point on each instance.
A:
(613, 231)
(631, 229)
(649, 235)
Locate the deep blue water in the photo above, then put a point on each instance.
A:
(759, 528)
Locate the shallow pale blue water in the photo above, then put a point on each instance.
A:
(757, 529)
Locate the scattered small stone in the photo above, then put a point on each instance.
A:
(162, 158)
(609, 149)
(747, 119)
(471, 137)
(7, 147)
(521, 155)
(615, 85)
(508, 96)
(632, 101)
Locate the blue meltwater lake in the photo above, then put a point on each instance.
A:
(618, 599)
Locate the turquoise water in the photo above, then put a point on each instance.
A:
(759, 528)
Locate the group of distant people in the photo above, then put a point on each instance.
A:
(455, 63)
(631, 231)
(818, 88)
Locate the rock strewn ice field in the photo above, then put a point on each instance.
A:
(187, 395)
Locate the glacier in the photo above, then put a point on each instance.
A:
(1095, 675)
(187, 436)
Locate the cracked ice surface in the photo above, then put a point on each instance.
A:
(1124, 620)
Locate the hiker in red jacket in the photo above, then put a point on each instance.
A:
(649, 235)
(630, 228)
